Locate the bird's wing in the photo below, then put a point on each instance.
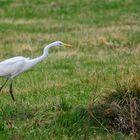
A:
(13, 60)
(11, 67)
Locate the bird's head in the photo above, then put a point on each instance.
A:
(59, 43)
(56, 43)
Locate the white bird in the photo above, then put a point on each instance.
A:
(12, 67)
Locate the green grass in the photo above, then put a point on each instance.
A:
(52, 99)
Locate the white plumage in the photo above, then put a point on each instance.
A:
(12, 67)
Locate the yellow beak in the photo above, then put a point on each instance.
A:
(67, 45)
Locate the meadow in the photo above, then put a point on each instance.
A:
(53, 99)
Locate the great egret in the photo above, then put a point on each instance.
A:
(12, 67)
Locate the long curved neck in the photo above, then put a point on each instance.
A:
(36, 60)
(32, 62)
(49, 46)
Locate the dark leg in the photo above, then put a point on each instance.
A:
(11, 91)
(3, 85)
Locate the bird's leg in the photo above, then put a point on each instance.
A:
(11, 91)
(3, 84)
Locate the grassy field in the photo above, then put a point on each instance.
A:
(53, 98)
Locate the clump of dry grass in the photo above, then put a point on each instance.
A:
(123, 106)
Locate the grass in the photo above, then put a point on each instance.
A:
(121, 107)
(53, 98)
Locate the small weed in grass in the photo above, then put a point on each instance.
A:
(123, 106)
